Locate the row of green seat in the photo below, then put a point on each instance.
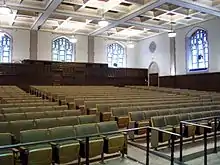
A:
(38, 115)
(143, 118)
(81, 101)
(64, 151)
(26, 101)
(90, 105)
(33, 109)
(27, 104)
(121, 114)
(171, 123)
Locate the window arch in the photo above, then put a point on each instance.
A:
(116, 55)
(198, 52)
(62, 50)
(5, 48)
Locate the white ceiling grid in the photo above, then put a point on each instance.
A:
(128, 19)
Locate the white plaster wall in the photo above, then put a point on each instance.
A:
(20, 43)
(100, 52)
(213, 28)
(45, 43)
(161, 55)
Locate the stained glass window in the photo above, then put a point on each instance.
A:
(198, 58)
(5, 48)
(116, 55)
(63, 50)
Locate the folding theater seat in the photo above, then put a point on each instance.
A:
(86, 119)
(11, 110)
(163, 112)
(121, 116)
(104, 112)
(60, 107)
(20, 125)
(15, 116)
(148, 115)
(114, 142)
(40, 154)
(6, 155)
(72, 112)
(64, 151)
(96, 144)
(173, 121)
(188, 130)
(139, 120)
(46, 123)
(4, 127)
(156, 137)
(54, 114)
(45, 108)
(67, 121)
(35, 115)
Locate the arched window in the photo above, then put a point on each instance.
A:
(198, 52)
(116, 55)
(62, 50)
(5, 48)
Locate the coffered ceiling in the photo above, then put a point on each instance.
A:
(128, 19)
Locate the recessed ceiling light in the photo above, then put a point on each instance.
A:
(103, 23)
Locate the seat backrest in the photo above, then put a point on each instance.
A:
(60, 107)
(85, 119)
(172, 120)
(136, 116)
(184, 117)
(15, 116)
(163, 112)
(5, 139)
(121, 111)
(107, 126)
(196, 115)
(158, 121)
(35, 115)
(72, 112)
(62, 132)
(86, 129)
(34, 135)
(4, 127)
(67, 121)
(21, 125)
(149, 114)
(46, 123)
(11, 110)
(54, 114)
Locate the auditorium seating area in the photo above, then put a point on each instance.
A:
(60, 112)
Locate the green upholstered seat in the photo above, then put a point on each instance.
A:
(54, 114)
(20, 125)
(4, 127)
(67, 121)
(86, 119)
(72, 112)
(6, 155)
(64, 151)
(35, 115)
(46, 123)
(40, 154)
(95, 143)
(114, 142)
(15, 116)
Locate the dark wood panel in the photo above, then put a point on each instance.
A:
(32, 72)
(202, 81)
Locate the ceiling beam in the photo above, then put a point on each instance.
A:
(147, 7)
(44, 16)
(196, 6)
(147, 26)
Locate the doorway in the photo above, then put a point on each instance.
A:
(153, 74)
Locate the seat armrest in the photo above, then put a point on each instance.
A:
(22, 149)
(15, 150)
